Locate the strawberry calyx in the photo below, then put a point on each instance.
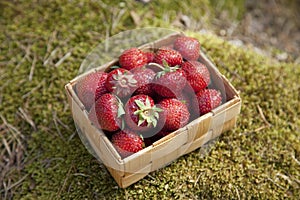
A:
(165, 68)
(147, 113)
(123, 83)
(115, 67)
(120, 112)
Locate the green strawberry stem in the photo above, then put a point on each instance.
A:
(121, 110)
(147, 113)
(165, 68)
(160, 67)
(115, 67)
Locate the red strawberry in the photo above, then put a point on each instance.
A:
(150, 56)
(127, 142)
(169, 82)
(120, 82)
(109, 110)
(132, 58)
(188, 47)
(141, 113)
(91, 87)
(175, 114)
(144, 78)
(170, 56)
(208, 99)
(185, 98)
(163, 133)
(188, 96)
(197, 74)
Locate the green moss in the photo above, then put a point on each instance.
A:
(233, 9)
(250, 161)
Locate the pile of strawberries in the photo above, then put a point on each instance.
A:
(149, 94)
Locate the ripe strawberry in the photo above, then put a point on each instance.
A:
(169, 82)
(120, 82)
(170, 56)
(185, 98)
(197, 74)
(109, 110)
(188, 96)
(208, 99)
(188, 47)
(175, 114)
(91, 87)
(132, 58)
(141, 113)
(127, 142)
(150, 56)
(144, 78)
(163, 133)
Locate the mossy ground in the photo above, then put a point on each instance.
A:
(260, 158)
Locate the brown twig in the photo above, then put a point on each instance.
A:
(295, 159)
(56, 125)
(67, 55)
(34, 89)
(6, 145)
(27, 118)
(62, 124)
(26, 56)
(255, 130)
(46, 62)
(14, 184)
(65, 181)
(263, 116)
(15, 132)
(32, 67)
(49, 43)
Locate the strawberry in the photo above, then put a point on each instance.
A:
(188, 97)
(185, 98)
(188, 47)
(197, 74)
(175, 114)
(144, 78)
(91, 87)
(170, 56)
(169, 82)
(141, 113)
(120, 82)
(150, 56)
(208, 99)
(132, 58)
(109, 110)
(162, 133)
(127, 142)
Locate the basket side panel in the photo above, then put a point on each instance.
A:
(221, 117)
(189, 147)
(138, 160)
(131, 178)
(167, 151)
(199, 127)
(96, 138)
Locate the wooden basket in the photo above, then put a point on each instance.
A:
(201, 130)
